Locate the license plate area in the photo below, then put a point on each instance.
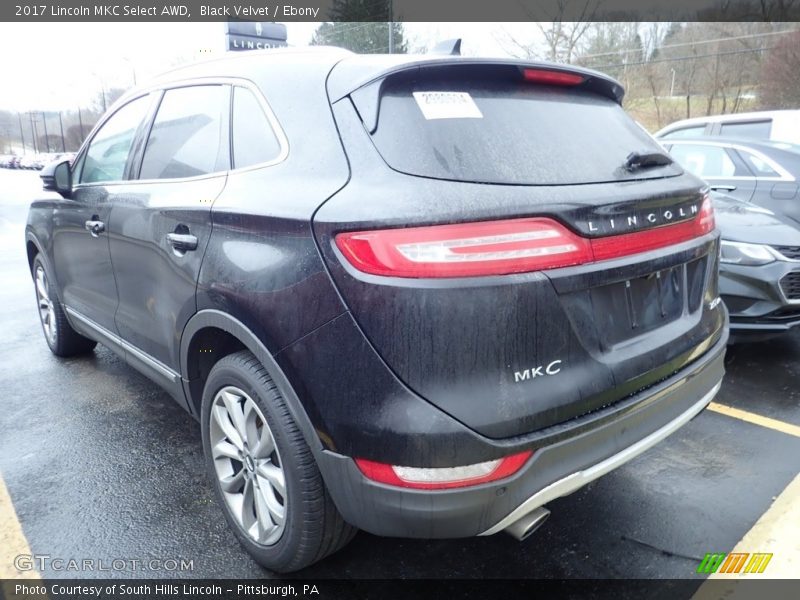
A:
(626, 309)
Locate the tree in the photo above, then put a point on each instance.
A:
(9, 131)
(364, 26)
(610, 47)
(563, 40)
(74, 136)
(103, 99)
(361, 37)
(654, 36)
(49, 143)
(730, 65)
(780, 85)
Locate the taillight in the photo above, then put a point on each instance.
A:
(548, 77)
(443, 478)
(466, 249)
(705, 219)
(501, 247)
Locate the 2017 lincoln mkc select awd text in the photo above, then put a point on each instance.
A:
(416, 295)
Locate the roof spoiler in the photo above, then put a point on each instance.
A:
(366, 94)
(353, 74)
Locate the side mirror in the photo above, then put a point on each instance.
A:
(57, 177)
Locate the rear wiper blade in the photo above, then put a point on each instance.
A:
(643, 160)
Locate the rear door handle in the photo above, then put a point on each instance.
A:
(95, 227)
(182, 242)
(723, 188)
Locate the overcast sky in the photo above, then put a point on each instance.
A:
(53, 66)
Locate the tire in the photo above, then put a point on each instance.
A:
(303, 525)
(61, 338)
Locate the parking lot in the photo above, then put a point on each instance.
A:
(99, 463)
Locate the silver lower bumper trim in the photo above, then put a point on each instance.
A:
(577, 480)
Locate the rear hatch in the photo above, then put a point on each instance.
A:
(497, 252)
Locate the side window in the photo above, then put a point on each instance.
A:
(685, 132)
(754, 130)
(254, 140)
(189, 136)
(760, 167)
(108, 151)
(706, 161)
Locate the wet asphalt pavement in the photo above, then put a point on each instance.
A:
(102, 464)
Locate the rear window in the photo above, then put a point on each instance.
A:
(512, 132)
(754, 130)
(760, 166)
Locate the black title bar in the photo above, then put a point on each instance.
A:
(400, 10)
(454, 589)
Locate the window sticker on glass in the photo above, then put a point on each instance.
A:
(447, 105)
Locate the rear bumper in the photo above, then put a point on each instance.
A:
(555, 470)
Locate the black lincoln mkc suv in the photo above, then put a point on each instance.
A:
(421, 296)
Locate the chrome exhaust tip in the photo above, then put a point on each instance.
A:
(526, 525)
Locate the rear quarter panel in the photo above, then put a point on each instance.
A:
(262, 265)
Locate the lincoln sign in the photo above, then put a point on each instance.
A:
(248, 35)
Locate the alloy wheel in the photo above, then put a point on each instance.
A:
(46, 310)
(248, 466)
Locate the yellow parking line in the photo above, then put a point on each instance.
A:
(744, 415)
(12, 540)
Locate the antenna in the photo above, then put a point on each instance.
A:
(449, 47)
